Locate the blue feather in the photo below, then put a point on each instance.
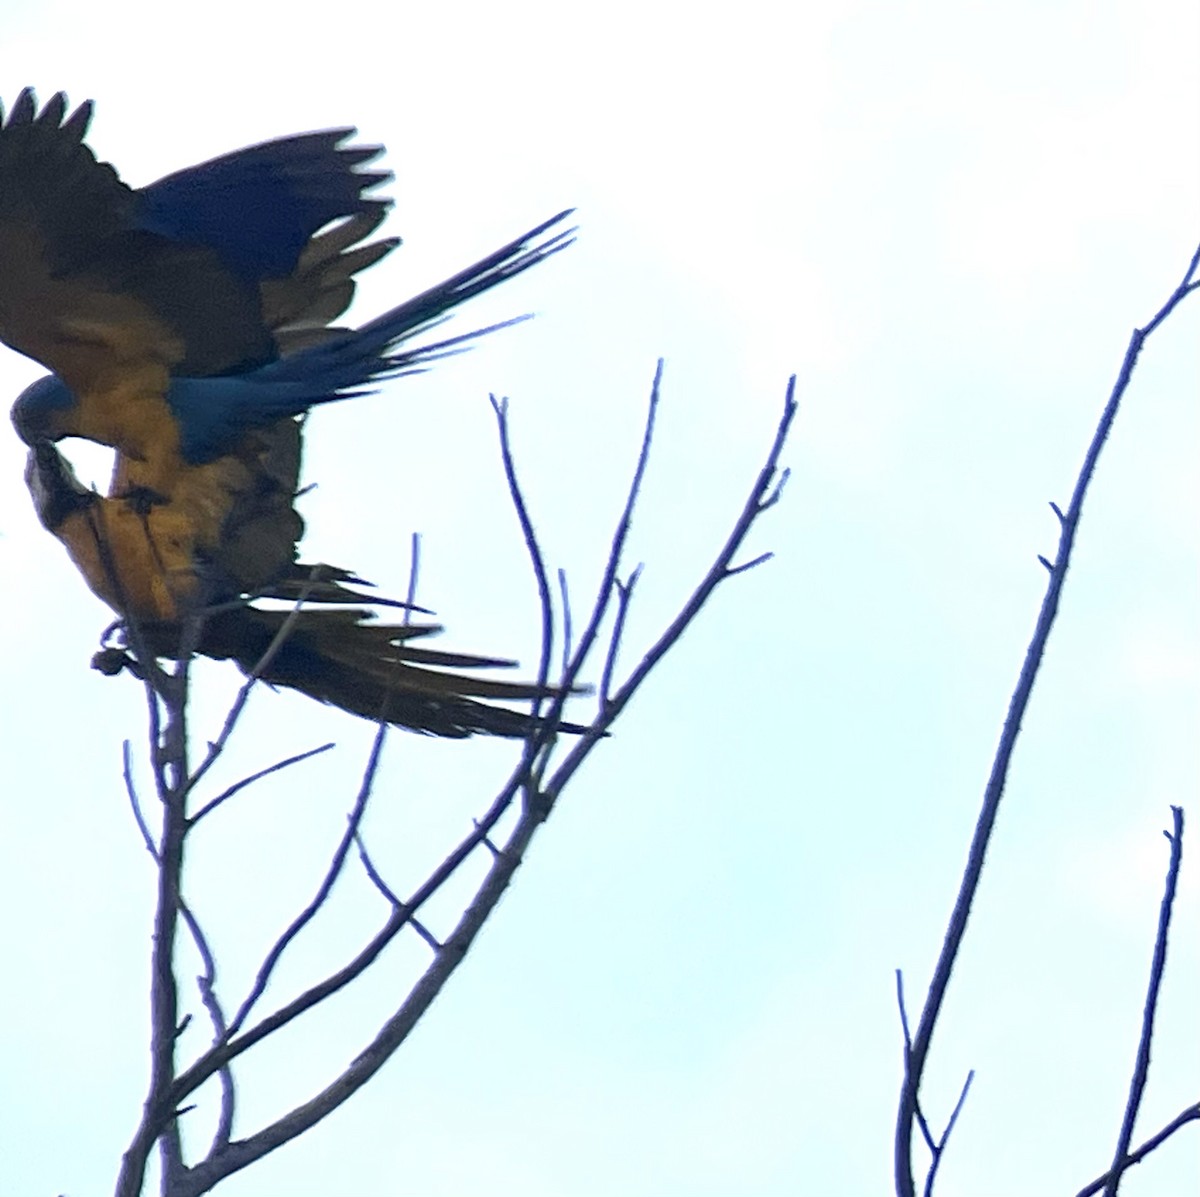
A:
(213, 413)
(258, 207)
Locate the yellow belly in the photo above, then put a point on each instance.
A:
(144, 568)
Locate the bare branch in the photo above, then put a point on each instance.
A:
(229, 1156)
(761, 559)
(1141, 1070)
(926, 1133)
(1190, 1114)
(764, 487)
(135, 804)
(189, 1081)
(565, 598)
(323, 890)
(159, 1123)
(500, 407)
(616, 550)
(375, 876)
(367, 1063)
(217, 746)
(206, 983)
(939, 1151)
(624, 597)
(225, 795)
(382, 886)
(956, 929)
(414, 569)
(937, 1147)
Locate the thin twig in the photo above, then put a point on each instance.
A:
(203, 1068)
(414, 569)
(131, 790)
(762, 496)
(206, 983)
(624, 596)
(564, 596)
(538, 740)
(394, 1031)
(217, 746)
(376, 879)
(939, 1149)
(539, 743)
(1189, 1115)
(373, 873)
(500, 407)
(994, 790)
(238, 786)
(922, 1122)
(1141, 1069)
(620, 535)
(323, 890)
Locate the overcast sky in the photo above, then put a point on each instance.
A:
(945, 218)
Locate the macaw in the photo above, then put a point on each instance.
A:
(132, 316)
(137, 561)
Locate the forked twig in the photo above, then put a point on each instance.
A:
(323, 890)
(956, 929)
(504, 858)
(937, 1147)
(1186, 1117)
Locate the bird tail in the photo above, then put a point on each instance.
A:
(344, 366)
(322, 583)
(375, 671)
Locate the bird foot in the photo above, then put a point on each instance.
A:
(142, 499)
(111, 661)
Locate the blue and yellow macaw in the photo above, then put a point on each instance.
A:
(134, 317)
(336, 655)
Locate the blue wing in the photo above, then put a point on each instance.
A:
(258, 207)
(172, 273)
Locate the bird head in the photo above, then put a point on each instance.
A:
(54, 486)
(44, 411)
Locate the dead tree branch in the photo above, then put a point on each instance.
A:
(172, 1089)
(1069, 522)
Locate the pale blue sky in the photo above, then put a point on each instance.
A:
(946, 218)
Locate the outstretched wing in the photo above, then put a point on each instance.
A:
(97, 279)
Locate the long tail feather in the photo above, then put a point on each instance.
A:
(367, 669)
(214, 412)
